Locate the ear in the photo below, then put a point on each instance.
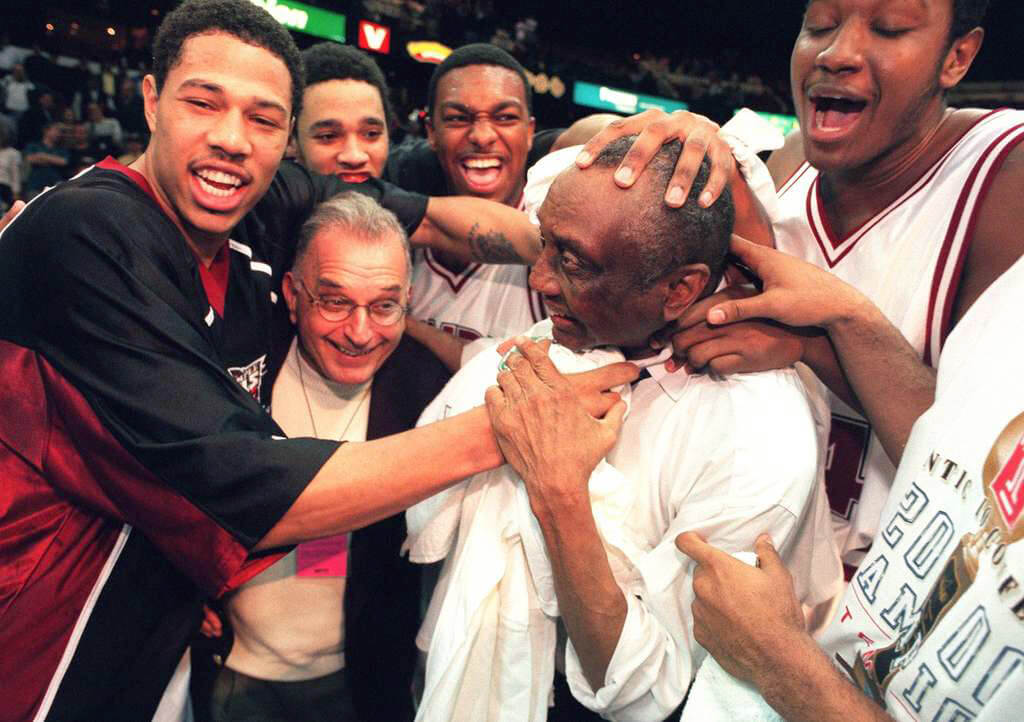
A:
(149, 100)
(533, 127)
(683, 287)
(291, 296)
(959, 58)
(431, 138)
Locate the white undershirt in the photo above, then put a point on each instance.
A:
(289, 627)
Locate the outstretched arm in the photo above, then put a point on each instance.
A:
(750, 621)
(364, 482)
(476, 229)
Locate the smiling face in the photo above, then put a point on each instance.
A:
(346, 267)
(481, 130)
(342, 130)
(220, 125)
(868, 77)
(590, 285)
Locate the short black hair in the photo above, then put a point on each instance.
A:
(667, 238)
(241, 18)
(331, 61)
(477, 54)
(967, 15)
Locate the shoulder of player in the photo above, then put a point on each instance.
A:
(414, 166)
(97, 205)
(785, 161)
(997, 242)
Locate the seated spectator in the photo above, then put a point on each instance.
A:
(90, 91)
(16, 88)
(10, 54)
(307, 644)
(104, 133)
(47, 161)
(128, 107)
(41, 112)
(10, 172)
(133, 147)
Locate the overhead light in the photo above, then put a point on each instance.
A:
(111, 31)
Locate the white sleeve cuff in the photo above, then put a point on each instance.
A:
(645, 677)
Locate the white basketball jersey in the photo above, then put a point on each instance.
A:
(907, 259)
(932, 624)
(481, 300)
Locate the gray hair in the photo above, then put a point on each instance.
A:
(359, 215)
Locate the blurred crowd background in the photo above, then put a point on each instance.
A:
(70, 72)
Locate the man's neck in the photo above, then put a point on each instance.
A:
(853, 196)
(204, 246)
(315, 379)
(638, 352)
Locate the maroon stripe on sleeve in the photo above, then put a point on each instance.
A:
(85, 462)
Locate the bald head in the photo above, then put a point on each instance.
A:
(666, 238)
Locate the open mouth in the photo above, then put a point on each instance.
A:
(360, 177)
(352, 353)
(481, 172)
(218, 183)
(563, 322)
(832, 114)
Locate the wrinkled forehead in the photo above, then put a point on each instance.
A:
(336, 246)
(589, 193)
(480, 86)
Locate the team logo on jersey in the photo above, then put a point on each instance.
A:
(1008, 488)
(250, 377)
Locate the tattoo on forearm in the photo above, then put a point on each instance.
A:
(492, 246)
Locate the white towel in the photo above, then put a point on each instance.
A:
(717, 696)
(490, 629)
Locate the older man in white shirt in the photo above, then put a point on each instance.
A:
(732, 458)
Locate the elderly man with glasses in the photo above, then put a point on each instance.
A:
(307, 644)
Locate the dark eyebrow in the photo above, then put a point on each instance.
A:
(219, 90)
(335, 123)
(396, 288)
(502, 105)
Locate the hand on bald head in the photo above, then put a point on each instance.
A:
(661, 238)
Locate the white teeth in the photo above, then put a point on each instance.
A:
(213, 190)
(216, 176)
(482, 163)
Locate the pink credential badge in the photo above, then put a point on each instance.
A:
(323, 557)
